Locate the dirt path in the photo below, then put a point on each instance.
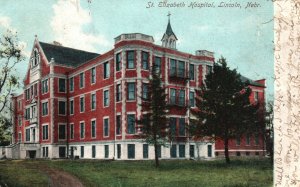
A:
(59, 178)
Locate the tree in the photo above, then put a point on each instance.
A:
(10, 56)
(5, 134)
(224, 111)
(269, 130)
(155, 123)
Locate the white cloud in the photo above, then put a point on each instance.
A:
(68, 25)
(5, 22)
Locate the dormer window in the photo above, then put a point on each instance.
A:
(35, 58)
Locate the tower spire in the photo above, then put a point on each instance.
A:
(169, 38)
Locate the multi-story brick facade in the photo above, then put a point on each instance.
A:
(77, 103)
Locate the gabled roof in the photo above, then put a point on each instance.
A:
(65, 55)
(251, 82)
(169, 31)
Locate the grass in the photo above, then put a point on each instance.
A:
(250, 172)
(21, 173)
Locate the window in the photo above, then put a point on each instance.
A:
(106, 97)
(118, 128)
(93, 151)
(20, 120)
(106, 70)
(81, 80)
(192, 151)
(157, 65)
(181, 151)
(177, 68)
(238, 141)
(209, 150)
(173, 151)
(145, 94)
(131, 151)
(44, 86)
(158, 151)
(71, 107)
(31, 90)
(93, 125)
(61, 107)
(131, 91)
(145, 60)
(61, 132)
(181, 69)
(248, 139)
(81, 103)
(93, 75)
(27, 94)
(192, 72)
(118, 150)
(27, 113)
(71, 131)
(118, 62)
(257, 153)
(192, 99)
(256, 139)
(82, 130)
(81, 151)
(44, 108)
(118, 93)
(27, 135)
(61, 85)
(130, 123)
(106, 151)
(93, 101)
(45, 132)
(106, 127)
(247, 153)
(71, 84)
(145, 150)
(172, 96)
(255, 96)
(173, 67)
(45, 152)
(173, 126)
(19, 104)
(130, 60)
(208, 69)
(238, 153)
(181, 127)
(181, 100)
(19, 137)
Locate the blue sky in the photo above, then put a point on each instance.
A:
(243, 36)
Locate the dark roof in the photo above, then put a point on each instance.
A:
(65, 55)
(169, 30)
(251, 82)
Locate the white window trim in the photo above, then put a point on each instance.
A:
(47, 108)
(65, 130)
(94, 119)
(127, 91)
(72, 99)
(118, 114)
(104, 90)
(62, 100)
(104, 118)
(117, 92)
(91, 70)
(27, 128)
(83, 85)
(73, 78)
(104, 69)
(82, 96)
(43, 85)
(93, 93)
(46, 124)
(115, 60)
(65, 85)
(81, 130)
(70, 124)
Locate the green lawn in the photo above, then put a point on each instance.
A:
(143, 173)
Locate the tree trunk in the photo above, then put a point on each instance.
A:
(156, 155)
(226, 150)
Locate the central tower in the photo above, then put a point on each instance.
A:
(169, 38)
